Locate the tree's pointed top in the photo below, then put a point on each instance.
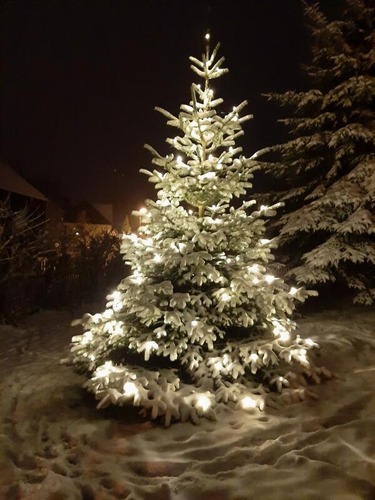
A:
(208, 68)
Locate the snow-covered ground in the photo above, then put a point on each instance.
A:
(55, 445)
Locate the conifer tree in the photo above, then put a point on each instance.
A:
(200, 320)
(325, 174)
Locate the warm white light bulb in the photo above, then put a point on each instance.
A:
(86, 338)
(143, 211)
(137, 277)
(293, 290)
(254, 268)
(158, 258)
(284, 336)
(208, 175)
(203, 402)
(225, 297)
(207, 36)
(103, 371)
(96, 318)
(130, 389)
(269, 278)
(219, 365)
(151, 344)
(247, 402)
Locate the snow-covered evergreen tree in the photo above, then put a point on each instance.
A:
(200, 320)
(325, 174)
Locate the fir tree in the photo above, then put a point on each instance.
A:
(325, 173)
(200, 320)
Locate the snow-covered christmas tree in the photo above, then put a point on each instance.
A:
(325, 174)
(200, 320)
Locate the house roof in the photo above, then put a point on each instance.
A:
(85, 212)
(14, 183)
(106, 209)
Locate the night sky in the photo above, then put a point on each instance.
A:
(81, 78)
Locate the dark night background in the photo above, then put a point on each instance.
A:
(80, 80)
